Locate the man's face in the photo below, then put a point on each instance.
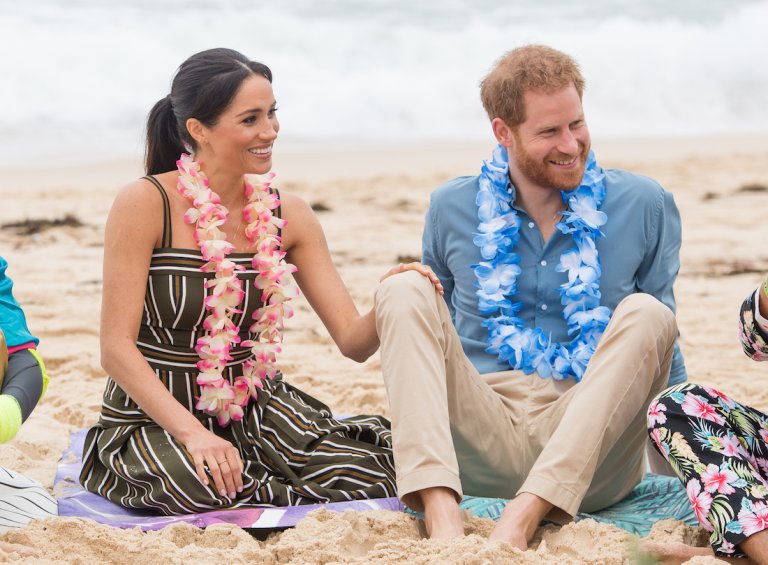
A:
(551, 146)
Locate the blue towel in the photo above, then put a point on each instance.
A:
(657, 497)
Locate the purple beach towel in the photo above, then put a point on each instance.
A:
(74, 501)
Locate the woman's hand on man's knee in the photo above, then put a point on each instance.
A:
(421, 268)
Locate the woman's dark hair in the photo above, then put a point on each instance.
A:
(203, 87)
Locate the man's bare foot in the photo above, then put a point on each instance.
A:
(441, 513)
(8, 548)
(520, 518)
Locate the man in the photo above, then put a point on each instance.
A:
(530, 379)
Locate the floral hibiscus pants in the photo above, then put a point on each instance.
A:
(719, 449)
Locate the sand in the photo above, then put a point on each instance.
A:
(374, 200)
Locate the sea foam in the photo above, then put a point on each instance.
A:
(80, 76)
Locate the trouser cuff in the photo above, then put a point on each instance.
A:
(552, 492)
(410, 484)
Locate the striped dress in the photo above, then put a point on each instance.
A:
(294, 452)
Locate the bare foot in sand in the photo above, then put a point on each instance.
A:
(441, 513)
(520, 518)
(9, 548)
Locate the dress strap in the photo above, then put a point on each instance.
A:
(167, 235)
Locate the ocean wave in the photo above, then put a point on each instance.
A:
(80, 76)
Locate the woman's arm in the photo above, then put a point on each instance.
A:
(133, 230)
(306, 246)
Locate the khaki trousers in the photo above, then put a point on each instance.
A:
(577, 446)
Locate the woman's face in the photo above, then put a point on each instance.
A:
(241, 141)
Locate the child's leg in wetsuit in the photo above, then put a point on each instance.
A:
(22, 387)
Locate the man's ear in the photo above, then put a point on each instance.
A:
(502, 132)
(197, 130)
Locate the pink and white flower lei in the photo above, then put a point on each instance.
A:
(218, 397)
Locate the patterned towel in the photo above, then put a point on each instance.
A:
(655, 498)
(76, 501)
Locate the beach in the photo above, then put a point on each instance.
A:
(371, 203)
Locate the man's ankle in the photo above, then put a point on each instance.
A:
(438, 496)
(528, 511)
(441, 513)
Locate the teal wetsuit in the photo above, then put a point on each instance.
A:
(24, 381)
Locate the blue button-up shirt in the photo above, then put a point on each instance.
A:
(639, 253)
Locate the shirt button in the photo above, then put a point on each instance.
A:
(543, 306)
(531, 224)
(543, 263)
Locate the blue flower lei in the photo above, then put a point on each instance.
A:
(524, 348)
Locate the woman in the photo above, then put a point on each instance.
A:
(719, 449)
(195, 414)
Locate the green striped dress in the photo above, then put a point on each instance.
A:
(294, 452)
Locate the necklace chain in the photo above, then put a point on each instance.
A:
(236, 232)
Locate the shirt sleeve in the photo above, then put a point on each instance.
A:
(754, 338)
(658, 271)
(432, 253)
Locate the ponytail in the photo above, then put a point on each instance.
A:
(163, 142)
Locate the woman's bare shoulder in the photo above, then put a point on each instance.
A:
(143, 194)
(293, 204)
(301, 221)
(139, 210)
